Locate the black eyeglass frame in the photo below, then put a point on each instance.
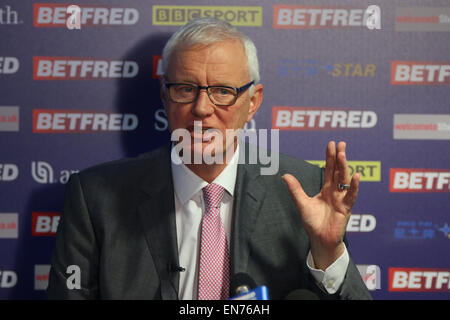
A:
(237, 91)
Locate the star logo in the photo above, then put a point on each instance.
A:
(445, 230)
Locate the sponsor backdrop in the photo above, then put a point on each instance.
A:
(377, 78)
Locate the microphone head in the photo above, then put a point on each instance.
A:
(240, 283)
(302, 294)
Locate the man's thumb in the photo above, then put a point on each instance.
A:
(295, 189)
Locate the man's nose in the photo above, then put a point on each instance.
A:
(203, 106)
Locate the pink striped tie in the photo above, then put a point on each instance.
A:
(214, 272)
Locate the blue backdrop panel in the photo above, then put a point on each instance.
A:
(73, 98)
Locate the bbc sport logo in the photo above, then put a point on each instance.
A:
(243, 16)
(369, 170)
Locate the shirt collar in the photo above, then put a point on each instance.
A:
(187, 183)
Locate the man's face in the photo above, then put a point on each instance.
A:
(223, 63)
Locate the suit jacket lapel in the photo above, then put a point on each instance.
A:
(249, 196)
(157, 212)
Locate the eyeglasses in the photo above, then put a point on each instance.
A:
(219, 95)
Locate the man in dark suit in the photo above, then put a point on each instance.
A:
(147, 228)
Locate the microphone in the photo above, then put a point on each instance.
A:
(302, 294)
(241, 283)
(243, 287)
(175, 268)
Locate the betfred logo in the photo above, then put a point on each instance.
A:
(305, 118)
(8, 172)
(57, 15)
(9, 65)
(419, 73)
(45, 223)
(8, 279)
(361, 223)
(419, 180)
(157, 66)
(314, 17)
(67, 68)
(419, 279)
(70, 121)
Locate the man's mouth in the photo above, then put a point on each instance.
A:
(204, 134)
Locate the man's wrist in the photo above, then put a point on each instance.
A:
(332, 277)
(324, 257)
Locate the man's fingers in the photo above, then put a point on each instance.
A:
(296, 190)
(343, 174)
(341, 146)
(336, 168)
(350, 197)
(330, 162)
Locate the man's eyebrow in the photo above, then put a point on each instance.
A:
(218, 83)
(223, 84)
(185, 80)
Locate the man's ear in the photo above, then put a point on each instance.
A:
(255, 101)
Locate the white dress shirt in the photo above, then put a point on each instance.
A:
(189, 209)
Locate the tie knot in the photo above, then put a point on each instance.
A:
(213, 194)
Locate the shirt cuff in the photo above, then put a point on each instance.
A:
(333, 277)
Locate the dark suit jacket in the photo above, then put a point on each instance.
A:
(118, 226)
